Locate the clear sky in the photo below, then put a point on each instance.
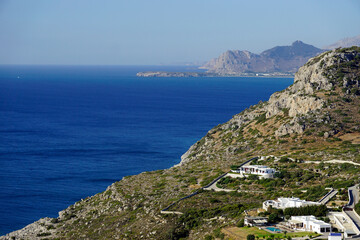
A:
(138, 32)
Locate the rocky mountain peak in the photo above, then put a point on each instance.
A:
(297, 42)
(283, 59)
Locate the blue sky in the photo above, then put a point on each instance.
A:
(149, 32)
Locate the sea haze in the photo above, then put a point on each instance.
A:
(68, 132)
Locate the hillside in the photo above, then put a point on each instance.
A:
(314, 120)
(283, 59)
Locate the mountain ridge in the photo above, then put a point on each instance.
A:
(284, 59)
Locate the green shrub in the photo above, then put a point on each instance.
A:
(316, 210)
(250, 237)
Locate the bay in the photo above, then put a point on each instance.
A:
(67, 132)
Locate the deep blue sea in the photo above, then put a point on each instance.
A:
(67, 132)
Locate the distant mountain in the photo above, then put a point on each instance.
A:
(346, 42)
(283, 59)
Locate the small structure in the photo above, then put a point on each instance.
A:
(308, 223)
(282, 203)
(259, 170)
(335, 236)
(349, 233)
(255, 221)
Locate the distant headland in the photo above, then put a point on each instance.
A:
(279, 61)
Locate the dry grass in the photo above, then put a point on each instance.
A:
(236, 233)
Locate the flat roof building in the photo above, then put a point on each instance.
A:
(259, 170)
(308, 223)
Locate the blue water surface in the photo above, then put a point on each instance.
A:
(67, 132)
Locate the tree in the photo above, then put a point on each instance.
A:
(274, 217)
(250, 237)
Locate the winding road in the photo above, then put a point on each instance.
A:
(212, 185)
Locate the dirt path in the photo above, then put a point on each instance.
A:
(334, 161)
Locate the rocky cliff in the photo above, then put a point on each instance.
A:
(284, 59)
(316, 118)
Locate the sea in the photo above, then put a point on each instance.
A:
(68, 132)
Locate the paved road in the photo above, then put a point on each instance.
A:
(354, 195)
(216, 189)
(355, 219)
(353, 200)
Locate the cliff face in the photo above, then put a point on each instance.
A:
(285, 59)
(316, 118)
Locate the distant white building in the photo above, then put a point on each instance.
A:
(260, 170)
(282, 203)
(308, 223)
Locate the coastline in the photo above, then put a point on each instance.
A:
(164, 74)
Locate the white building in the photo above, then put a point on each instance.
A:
(282, 203)
(261, 171)
(308, 223)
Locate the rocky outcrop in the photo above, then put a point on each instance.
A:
(37, 230)
(283, 59)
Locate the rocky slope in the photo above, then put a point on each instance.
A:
(285, 59)
(316, 118)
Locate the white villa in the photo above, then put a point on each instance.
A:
(282, 203)
(260, 170)
(308, 223)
